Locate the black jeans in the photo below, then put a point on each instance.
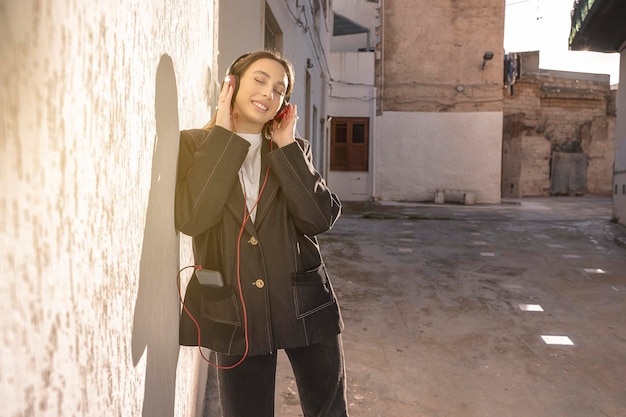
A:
(248, 390)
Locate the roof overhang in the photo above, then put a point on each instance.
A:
(598, 25)
(344, 26)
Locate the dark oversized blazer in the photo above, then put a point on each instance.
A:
(288, 296)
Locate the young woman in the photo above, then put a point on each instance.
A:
(250, 197)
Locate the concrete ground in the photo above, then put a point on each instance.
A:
(440, 307)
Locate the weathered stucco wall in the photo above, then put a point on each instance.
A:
(417, 153)
(599, 146)
(433, 55)
(574, 112)
(91, 97)
(525, 166)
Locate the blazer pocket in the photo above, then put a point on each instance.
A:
(312, 291)
(220, 305)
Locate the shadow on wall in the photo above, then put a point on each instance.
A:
(155, 324)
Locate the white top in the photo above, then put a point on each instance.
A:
(250, 172)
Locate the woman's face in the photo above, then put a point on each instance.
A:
(261, 93)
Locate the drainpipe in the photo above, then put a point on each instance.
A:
(378, 90)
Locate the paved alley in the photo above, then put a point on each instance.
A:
(479, 311)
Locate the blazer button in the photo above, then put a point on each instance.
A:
(259, 283)
(253, 241)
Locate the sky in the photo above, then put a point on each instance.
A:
(544, 26)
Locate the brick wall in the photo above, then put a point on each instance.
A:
(439, 106)
(574, 112)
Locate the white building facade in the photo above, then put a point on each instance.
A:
(432, 107)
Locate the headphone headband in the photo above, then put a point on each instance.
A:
(232, 65)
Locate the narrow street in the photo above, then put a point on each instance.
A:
(479, 311)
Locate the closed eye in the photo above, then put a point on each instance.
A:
(277, 90)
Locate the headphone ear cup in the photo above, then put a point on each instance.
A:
(282, 112)
(233, 78)
(233, 81)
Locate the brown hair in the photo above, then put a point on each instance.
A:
(239, 67)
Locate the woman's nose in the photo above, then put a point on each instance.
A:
(268, 92)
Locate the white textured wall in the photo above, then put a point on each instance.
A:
(92, 94)
(416, 153)
(619, 178)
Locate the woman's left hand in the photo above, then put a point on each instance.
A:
(224, 117)
(284, 132)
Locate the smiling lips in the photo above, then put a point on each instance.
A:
(260, 106)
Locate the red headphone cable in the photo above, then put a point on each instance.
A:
(246, 217)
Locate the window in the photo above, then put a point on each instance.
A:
(269, 37)
(349, 144)
(273, 34)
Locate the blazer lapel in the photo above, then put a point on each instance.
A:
(235, 202)
(271, 186)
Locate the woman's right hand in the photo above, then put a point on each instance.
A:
(224, 116)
